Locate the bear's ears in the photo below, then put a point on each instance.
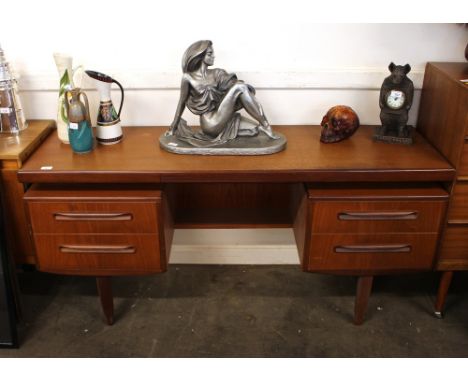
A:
(392, 67)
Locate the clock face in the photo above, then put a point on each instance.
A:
(395, 99)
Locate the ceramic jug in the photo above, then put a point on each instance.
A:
(80, 133)
(108, 130)
(69, 78)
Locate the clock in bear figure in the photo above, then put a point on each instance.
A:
(396, 98)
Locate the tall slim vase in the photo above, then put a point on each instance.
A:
(66, 74)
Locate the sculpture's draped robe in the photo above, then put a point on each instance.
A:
(205, 100)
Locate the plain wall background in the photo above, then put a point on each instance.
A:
(300, 69)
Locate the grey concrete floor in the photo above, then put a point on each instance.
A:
(240, 311)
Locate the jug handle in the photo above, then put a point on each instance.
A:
(122, 99)
(85, 97)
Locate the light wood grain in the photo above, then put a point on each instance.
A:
(19, 147)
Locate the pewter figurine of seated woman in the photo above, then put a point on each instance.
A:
(216, 96)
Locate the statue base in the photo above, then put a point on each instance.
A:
(258, 145)
(394, 139)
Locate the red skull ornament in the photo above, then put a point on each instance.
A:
(339, 123)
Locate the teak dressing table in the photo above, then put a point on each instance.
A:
(357, 207)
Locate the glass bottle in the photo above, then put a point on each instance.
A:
(12, 118)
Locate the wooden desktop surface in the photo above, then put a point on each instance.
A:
(139, 159)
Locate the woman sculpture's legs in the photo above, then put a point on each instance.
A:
(253, 107)
(227, 108)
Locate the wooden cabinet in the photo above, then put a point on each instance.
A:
(14, 151)
(443, 120)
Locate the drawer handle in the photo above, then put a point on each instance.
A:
(97, 249)
(410, 215)
(463, 222)
(77, 216)
(373, 248)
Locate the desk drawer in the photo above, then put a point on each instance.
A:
(373, 252)
(99, 254)
(376, 216)
(458, 210)
(94, 217)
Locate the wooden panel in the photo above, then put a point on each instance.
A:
(138, 158)
(463, 166)
(231, 205)
(373, 216)
(93, 192)
(14, 149)
(372, 252)
(166, 228)
(458, 210)
(443, 112)
(19, 240)
(93, 217)
(376, 191)
(302, 221)
(454, 250)
(100, 255)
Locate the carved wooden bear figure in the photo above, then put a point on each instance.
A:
(396, 98)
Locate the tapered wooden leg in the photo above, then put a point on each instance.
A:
(104, 286)
(364, 287)
(444, 285)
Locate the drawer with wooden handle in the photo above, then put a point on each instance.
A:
(373, 252)
(376, 216)
(94, 216)
(99, 255)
